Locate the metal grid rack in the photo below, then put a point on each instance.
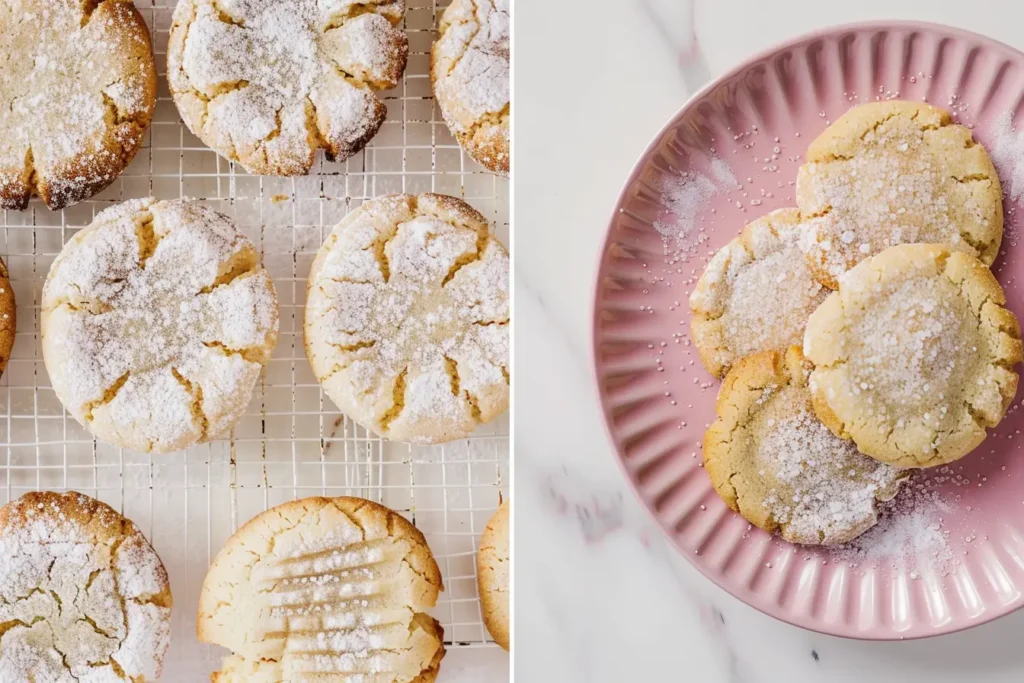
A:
(292, 442)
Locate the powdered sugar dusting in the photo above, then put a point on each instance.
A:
(78, 95)
(900, 184)
(825, 491)
(82, 602)
(756, 292)
(474, 50)
(157, 320)
(413, 314)
(910, 536)
(1007, 151)
(268, 83)
(685, 198)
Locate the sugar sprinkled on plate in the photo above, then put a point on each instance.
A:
(685, 198)
(909, 536)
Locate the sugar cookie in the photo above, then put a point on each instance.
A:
(755, 294)
(470, 73)
(890, 173)
(84, 595)
(493, 562)
(77, 92)
(326, 589)
(268, 83)
(774, 462)
(157, 320)
(914, 355)
(407, 315)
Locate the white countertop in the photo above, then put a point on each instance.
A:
(600, 595)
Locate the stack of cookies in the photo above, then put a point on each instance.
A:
(861, 335)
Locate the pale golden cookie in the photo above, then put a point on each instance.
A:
(83, 595)
(8, 317)
(774, 462)
(157, 320)
(77, 92)
(407, 314)
(914, 355)
(267, 83)
(470, 73)
(493, 562)
(890, 173)
(755, 294)
(326, 589)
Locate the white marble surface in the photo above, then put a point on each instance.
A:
(599, 594)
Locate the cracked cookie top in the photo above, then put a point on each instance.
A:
(407, 316)
(890, 173)
(914, 355)
(268, 82)
(774, 462)
(327, 589)
(156, 322)
(77, 91)
(469, 69)
(755, 294)
(84, 595)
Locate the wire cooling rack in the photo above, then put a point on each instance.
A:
(292, 442)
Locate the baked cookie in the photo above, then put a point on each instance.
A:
(775, 463)
(914, 355)
(156, 322)
(326, 589)
(407, 313)
(8, 317)
(894, 172)
(77, 92)
(266, 84)
(469, 69)
(84, 595)
(755, 294)
(492, 570)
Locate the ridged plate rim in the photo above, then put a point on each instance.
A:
(759, 601)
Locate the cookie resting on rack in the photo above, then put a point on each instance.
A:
(774, 462)
(83, 595)
(77, 92)
(470, 73)
(407, 314)
(157, 320)
(493, 564)
(8, 317)
(267, 83)
(889, 173)
(324, 589)
(914, 355)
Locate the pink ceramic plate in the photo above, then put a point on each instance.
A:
(951, 555)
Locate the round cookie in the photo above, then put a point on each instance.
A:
(156, 321)
(890, 173)
(492, 573)
(8, 317)
(77, 92)
(771, 460)
(266, 84)
(331, 589)
(407, 314)
(755, 294)
(914, 355)
(469, 69)
(84, 595)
